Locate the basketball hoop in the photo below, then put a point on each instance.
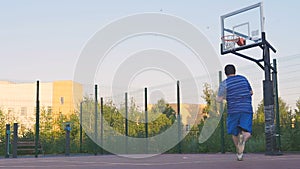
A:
(229, 41)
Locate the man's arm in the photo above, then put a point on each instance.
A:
(221, 93)
(219, 99)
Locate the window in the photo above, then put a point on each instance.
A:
(49, 109)
(61, 100)
(10, 110)
(23, 111)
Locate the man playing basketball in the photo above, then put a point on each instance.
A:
(236, 90)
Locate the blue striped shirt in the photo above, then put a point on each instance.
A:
(237, 92)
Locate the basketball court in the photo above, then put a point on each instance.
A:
(240, 30)
(172, 161)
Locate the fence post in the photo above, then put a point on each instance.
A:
(146, 119)
(7, 140)
(101, 124)
(179, 118)
(126, 122)
(80, 129)
(37, 120)
(275, 81)
(222, 119)
(96, 119)
(15, 140)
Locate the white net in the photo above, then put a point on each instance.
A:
(229, 41)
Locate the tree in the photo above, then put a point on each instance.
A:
(113, 117)
(260, 116)
(161, 117)
(285, 114)
(75, 129)
(2, 125)
(297, 110)
(164, 108)
(207, 94)
(58, 125)
(212, 109)
(46, 122)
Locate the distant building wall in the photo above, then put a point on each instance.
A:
(190, 113)
(18, 100)
(65, 100)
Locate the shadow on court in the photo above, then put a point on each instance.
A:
(170, 161)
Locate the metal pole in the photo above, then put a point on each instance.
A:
(222, 120)
(96, 119)
(7, 140)
(15, 140)
(126, 121)
(178, 118)
(275, 80)
(101, 124)
(146, 120)
(268, 101)
(37, 120)
(80, 129)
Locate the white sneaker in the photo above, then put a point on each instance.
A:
(239, 156)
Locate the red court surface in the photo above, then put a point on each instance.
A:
(166, 161)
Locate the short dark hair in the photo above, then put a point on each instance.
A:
(229, 69)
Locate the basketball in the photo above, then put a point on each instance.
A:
(241, 42)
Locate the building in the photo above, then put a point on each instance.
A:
(18, 100)
(191, 114)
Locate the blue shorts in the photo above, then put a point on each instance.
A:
(239, 121)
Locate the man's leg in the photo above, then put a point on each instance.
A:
(239, 149)
(232, 126)
(245, 125)
(235, 140)
(245, 128)
(234, 130)
(246, 135)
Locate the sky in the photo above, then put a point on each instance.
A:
(43, 39)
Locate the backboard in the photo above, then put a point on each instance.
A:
(242, 29)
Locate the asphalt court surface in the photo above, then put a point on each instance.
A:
(165, 161)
